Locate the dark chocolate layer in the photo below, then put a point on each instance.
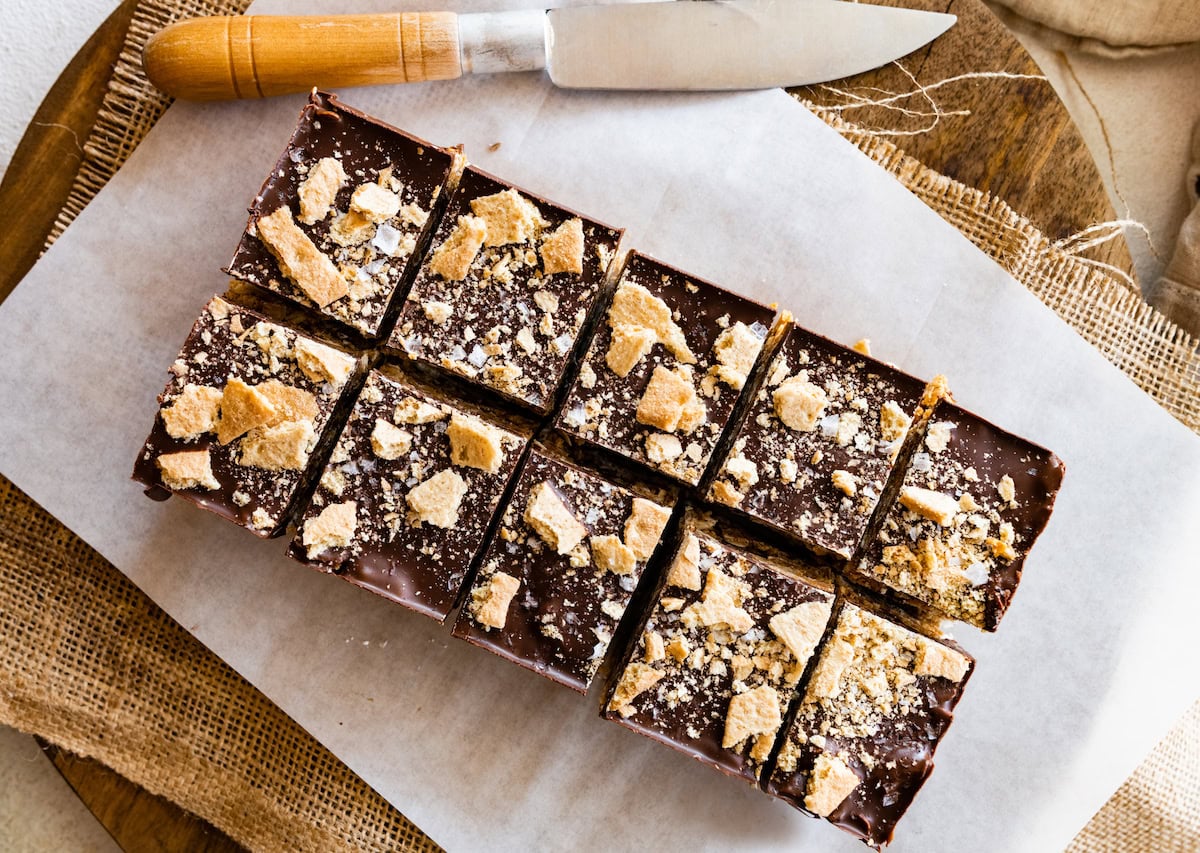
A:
(506, 324)
(969, 566)
(567, 607)
(820, 410)
(229, 342)
(376, 264)
(602, 406)
(702, 663)
(397, 437)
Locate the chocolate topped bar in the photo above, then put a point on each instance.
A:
(666, 366)
(814, 450)
(861, 745)
(558, 575)
(343, 214)
(408, 495)
(973, 500)
(506, 288)
(717, 663)
(248, 406)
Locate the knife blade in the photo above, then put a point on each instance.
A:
(712, 45)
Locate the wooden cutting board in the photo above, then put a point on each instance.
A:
(1010, 137)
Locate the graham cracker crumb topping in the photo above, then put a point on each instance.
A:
(755, 712)
(627, 346)
(562, 250)
(509, 217)
(635, 680)
(670, 403)
(736, 349)
(317, 192)
(491, 609)
(322, 363)
(333, 528)
(644, 527)
(800, 628)
(436, 501)
(283, 447)
(453, 258)
(940, 661)
(193, 412)
(610, 554)
(552, 520)
(927, 503)
(829, 783)
(721, 604)
(242, 409)
(635, 306)
(187, 469)
(388, 441)
(685, 570)
(475, 444)
(800, 404)
(300, 260)
(893, 421)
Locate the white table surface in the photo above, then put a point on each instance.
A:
(1148, 107)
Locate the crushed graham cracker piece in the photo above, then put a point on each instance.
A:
(836, 657)
(627, 346)
(374, 203)
(492, 609)
(1007, 489)
(1000, 548)
(800, 404)
(317, 192)
(669, 402)
(801, 628)
(610, 554)
(322, 363)
(437, 312)
(388, 441)
(662, 448)
(552, 519)
(635, 680)
(634, 305)
(862, 346)
(743, 471)
(291, 403)
(679, 648)
(829, 783)
(243, 408)
(755, 712)
(562, 250)
(508, 215)
(893, 421)
(845, 482)
(927, 503)
(187, 469)
(546, 301)
(453, 258)
(300, 260)
(937, 436)
(283, 447)
(654, 646)
(736, 350)
(720, 604)
(940, 661)
(410, 410)
(333, 528)
(436, 500)
(644, 527)
(193, 413)
(685, 569)
(475, 444)
(725, 493)
(849, 425)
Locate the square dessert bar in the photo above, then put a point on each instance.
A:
(862, 742)
(665, 369)
(718, 660)
(505, 291)
(814, 450)
(405, 502)
(973, 500)
(341, 217)
(557, 577)
(249, 404)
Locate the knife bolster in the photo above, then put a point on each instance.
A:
(492, 42)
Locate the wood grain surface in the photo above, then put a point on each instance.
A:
(1010, 137)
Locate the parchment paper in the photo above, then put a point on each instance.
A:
(1093, 662)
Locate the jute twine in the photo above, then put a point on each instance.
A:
(90, 663)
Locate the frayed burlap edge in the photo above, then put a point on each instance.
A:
(91, 664)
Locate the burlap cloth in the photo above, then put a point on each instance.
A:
(90, 663)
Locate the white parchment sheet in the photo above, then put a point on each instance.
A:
(1092, 664)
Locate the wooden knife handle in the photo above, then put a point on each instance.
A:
(247, 56)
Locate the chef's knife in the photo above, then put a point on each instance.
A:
(719, 44)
